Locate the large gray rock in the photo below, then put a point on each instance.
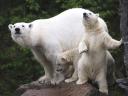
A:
(71, 89)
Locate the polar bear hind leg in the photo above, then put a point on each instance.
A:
(101, 79)
(73, 78)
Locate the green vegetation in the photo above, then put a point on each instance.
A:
(17, 65)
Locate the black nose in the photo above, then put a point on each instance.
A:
(84, 14)
(17, 30)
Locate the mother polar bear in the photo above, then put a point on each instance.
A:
(48, 37)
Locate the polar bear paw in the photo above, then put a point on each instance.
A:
(44, 80)
(55, 82)
(81, 81)
(58, 78)
(104, 90)
(70, 80)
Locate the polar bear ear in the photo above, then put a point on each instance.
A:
(97, 14)
(10, 26)
(30, 25)
(64, 59)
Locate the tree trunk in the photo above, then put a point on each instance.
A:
(124, 30)
(123, 83)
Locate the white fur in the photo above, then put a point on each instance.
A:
(93, 64)
(48, 37)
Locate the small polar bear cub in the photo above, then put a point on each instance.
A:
(68, 58)
(92, 63)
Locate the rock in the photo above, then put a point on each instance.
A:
(64, 89)
(123, 83)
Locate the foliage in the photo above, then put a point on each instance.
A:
(17, 65)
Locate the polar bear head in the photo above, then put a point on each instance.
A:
(93, 22)
(63, 65)
(62, 62)
(90, 18)
(20, 33)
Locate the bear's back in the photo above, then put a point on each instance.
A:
(66, 27)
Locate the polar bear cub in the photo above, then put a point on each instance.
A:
(92, 63)
(68, 58)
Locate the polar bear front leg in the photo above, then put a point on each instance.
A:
(82, 75)
(46, 79)
(74, 76)
(111, 43)
(101, 79)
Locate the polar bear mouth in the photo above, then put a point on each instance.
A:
(17, 36)
(85, 15)
(59, 70)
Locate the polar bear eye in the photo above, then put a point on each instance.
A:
(22, 25)
(14, 26)
(90, 13)
(59, 64)
(30, 25)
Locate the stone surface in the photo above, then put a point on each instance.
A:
(71, 89)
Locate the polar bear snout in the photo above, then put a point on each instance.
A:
(59, 67)
(85, 15)
(17, 31)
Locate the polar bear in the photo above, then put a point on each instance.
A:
(48, 37)
(93, 47)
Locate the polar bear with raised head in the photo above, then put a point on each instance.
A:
(92, 64)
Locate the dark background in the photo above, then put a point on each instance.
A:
(17, 65)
